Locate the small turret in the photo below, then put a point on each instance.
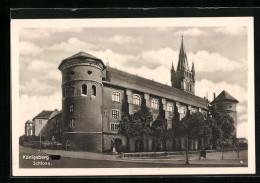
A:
(193, 71)
(172, 70)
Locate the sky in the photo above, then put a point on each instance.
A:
(219, 54)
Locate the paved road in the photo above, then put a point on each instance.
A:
(69, 162)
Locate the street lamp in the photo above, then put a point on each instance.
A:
(187, 146)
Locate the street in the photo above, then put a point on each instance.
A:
(26, 160)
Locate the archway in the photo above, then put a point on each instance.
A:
(118, 144)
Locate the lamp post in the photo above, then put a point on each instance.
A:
(40, 140)
(187, 146)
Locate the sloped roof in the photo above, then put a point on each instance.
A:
(130, 81)
(224, 96)
(82, 55)
(43, 115)
(28, 121)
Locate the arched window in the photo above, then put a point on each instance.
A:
(116, 96)
(154, 104)
(136, 99)
(169, 107)
(94, 90)
(84, 89)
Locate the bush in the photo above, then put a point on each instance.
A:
(122, 148)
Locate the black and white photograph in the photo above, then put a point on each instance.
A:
(132, 96)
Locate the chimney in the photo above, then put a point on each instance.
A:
(214, 96)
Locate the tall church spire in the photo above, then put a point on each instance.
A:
(182, 63)
(172, 68)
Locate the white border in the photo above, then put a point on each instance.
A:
(133, 22)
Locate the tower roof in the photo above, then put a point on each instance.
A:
(224, 96)
(84, 56)
(172, 67)
(183, 62)
(44, 115)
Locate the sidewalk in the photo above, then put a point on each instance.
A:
(116, 157)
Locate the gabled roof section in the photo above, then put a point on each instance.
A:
(43, 115)
(183, 62)
(82, 55)
(224, 96)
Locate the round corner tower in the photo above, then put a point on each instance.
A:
(82, 92)
(225, 105)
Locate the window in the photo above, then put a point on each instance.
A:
(136, 99)
(93, 91)
(71, 108)
(115, 114)
(40, 121)
(72, 123)
(63, 92)
(116, 96)
(114, 126)
(169, 107)
(89, 72)
(84, 89)
(154, 104)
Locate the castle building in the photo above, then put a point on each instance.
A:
(35, 126)
(225, 105)
(95, 96)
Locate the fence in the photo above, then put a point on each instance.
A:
(193, 155)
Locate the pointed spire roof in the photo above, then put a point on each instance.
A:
(172, 67)
(224, 96)
(183, 62)
(193, 68)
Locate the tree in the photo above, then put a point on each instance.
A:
(159, 131)
(137, 125)
(223, 131)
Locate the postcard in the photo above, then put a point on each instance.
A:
(132, 96)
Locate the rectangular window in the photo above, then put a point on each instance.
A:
(114, 126)
(115, 114)
(154, 104)
(72, 123)
(40, 122)
(116, 96)
(71, 108)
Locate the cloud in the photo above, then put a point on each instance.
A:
(43, 33)
(191, 32)
(237, 31)
(30, 106)
(36, 87)
(72, 45)
(205, 86)
(242, 130)
(164, 29)
(209, 62)
(29, 49)
(40, 65)
(124, 39)
(243, 118)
